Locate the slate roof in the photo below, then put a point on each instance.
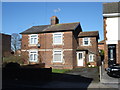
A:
(81, 49)
(89, 34)
(111, 7)
(51, 28)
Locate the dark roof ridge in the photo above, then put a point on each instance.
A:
(51, 28)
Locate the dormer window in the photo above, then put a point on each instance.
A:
(86, 41)
(33, 39)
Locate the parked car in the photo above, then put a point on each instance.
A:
(114, 70)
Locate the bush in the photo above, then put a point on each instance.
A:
(88, 63)
(12, 58)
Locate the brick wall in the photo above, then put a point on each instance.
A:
(91, 49)
(46, 49)
(6, 44)
(118, 52)
(101, 46)
(106, 48)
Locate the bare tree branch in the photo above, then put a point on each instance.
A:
(15, 42)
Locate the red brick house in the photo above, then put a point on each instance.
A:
(55, 45)
(88, 42)
(5, 45)
(111, 16)
(101, 45)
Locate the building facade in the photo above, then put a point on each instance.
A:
(55, 45)
(5, 44)
(111, 17)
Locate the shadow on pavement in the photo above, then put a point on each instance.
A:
(36, 78)
(63, 81)
(70, 78)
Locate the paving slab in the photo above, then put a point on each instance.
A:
(107, 79)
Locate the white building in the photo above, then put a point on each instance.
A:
(111, 17)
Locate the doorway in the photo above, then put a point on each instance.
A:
(111, 54)
(80, 56)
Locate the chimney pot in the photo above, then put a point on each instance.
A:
(54, 20)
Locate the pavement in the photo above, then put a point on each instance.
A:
(87, 78)
(109, 80)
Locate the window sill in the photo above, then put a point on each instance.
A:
(57, 44)
(85, 45)
(57, 62)
(32, 44)
(33, 61)
(91, 61)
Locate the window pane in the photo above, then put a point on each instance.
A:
(91, 58)
(57, 56)
(31, 57)
(35, 57)
(57, 38)
(86, 42)
(80, 55)
(57, 52)
(85, 39)
(35, 40)
(111, 54)
(31, 40)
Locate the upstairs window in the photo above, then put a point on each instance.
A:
(57, 56)
(57, 38)
(34, 39)
(86, 41)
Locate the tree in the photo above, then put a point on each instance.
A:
(15, 42)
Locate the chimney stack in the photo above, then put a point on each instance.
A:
(54, 20)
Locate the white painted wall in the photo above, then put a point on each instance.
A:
(112, 30)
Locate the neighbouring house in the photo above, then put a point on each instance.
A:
(87, 48)
(60, 45)
(101, 45)
(111, 16)
(5, 44)
(101, 48)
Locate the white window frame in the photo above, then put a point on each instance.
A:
(61, 56)
(92, 57)
(56, 34)
(36, 52)
(84, 41)
(30, 37)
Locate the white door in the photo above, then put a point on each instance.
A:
(80, 58)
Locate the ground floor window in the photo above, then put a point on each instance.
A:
(33, 56)
(57, 56)
(91, 57)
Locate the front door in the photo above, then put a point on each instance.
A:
(111, 54)
(80, 58)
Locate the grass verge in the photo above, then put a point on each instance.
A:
(60, 70)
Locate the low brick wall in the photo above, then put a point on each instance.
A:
(40, 65)
(40, 74)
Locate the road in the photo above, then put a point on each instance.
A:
(77, 78)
